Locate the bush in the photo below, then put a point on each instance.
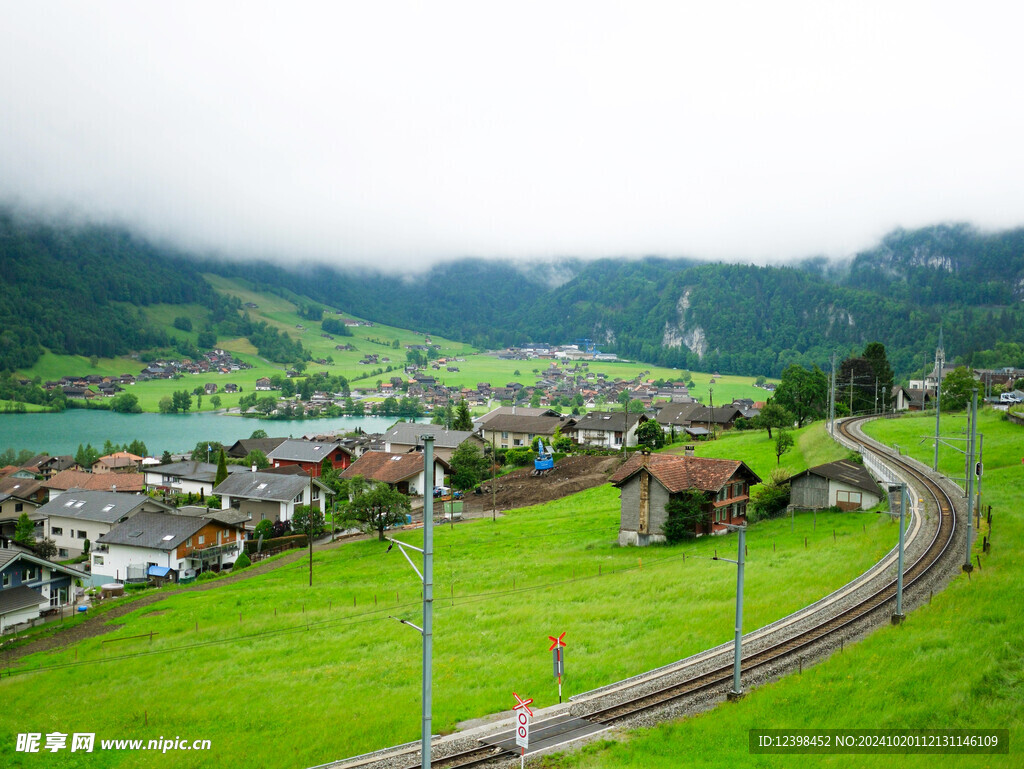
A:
(685, 513)
(241, 562)
(264, 528)
(520, 457)
(770, 499)
(130, 586)
(299, 540)
(206, 576)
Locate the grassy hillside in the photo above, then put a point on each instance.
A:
(812, 446)
(956, 663)
(321, 673)
(282, 313)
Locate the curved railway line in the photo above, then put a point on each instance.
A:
(786, 653)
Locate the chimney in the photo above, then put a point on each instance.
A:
(113, 487)
(254, 468)
(689, 450)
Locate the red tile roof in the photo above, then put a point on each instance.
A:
(677, 473)
(384, 467)
(77, 479)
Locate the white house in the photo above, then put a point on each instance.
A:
(77, 516)
(405, 472)
(608, 429)
(187, 477)
(165, 545)
(30, 584)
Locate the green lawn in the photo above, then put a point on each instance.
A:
(956, 663)
(811, 446)
(238, 665)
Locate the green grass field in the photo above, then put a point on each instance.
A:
(321, 673)
(956, 663)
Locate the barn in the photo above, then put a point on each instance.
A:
(844, 484)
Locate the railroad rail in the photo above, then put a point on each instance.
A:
(790, 651)
(785, 650)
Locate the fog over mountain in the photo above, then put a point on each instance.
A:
(397, 136)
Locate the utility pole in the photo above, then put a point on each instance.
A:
(851, 390)
(494, 488)
(428, 590)
(309, 526)
(970, 475)
(711, 411)
(737, 692)
(832, 398)
(899, 616)
(940, 355)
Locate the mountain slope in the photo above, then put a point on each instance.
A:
(75, 290)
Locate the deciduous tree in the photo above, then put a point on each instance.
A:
(650, 434)
(803, 393)
(378, 508)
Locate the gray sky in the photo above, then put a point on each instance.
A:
(394, 134)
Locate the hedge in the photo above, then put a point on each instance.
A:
(294, 540)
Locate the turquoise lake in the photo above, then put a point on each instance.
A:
(62, 433)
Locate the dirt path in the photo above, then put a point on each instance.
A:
(97, 624)
(520, 489)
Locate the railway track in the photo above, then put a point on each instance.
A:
(791, 650)
(799, 644)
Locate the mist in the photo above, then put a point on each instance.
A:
(392, 136)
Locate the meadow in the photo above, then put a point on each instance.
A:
(319, 673)
(955, 663)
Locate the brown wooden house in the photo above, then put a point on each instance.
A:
(647, 483)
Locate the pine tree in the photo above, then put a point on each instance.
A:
(222, 468)
(463, 419)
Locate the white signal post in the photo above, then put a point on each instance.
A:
(523, 716)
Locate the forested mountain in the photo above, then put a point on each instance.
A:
(74, 289)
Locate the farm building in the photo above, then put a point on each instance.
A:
(843, 484)
(647, 483)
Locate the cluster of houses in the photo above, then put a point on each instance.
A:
(558, 352)
(94, 385)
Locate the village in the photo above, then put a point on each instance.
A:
(70, 532)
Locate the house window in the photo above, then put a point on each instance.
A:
(188, 542)
(504, 436)
(81, 534)
(18, 506)
(316, 493)
(7, 579)
(29, 574)
(56, 531)
(202, 539)
(62, 552)
(97, 560)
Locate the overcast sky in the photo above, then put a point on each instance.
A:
(396, 134)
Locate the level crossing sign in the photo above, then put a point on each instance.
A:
(557, 650)
(523, 717)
